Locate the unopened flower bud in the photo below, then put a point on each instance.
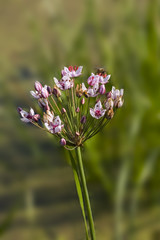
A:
(118, 102)
(47, 108)
(19, 109)
(77, 110)
(110, 114)
(48, 116)
(83, 101)
(29, 116)
(83, 119)
(44, 93)
(36, 117)
(109, 103)
(79, 90)
(108, 94)
(38, 86)
(102, 89)
(77, 134)
(63, 110)
(56, 92)
(49, 89)
(63, 142)
(43, 103)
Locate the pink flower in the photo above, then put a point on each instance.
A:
(63, 141)
(90, 92)
(104, 80)
(40, 92)
(53, 125)
(98, 111)
(44, 92)
(72, 71)
(93, 92)
(117, 96)
(93, 79)
(65, 83)
(28, 117)
(116, 93)
(38, 86)
(102, 89)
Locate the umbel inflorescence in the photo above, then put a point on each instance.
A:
(72, 111)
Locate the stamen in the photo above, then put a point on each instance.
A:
(70, 68)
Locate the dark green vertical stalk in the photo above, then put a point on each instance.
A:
(85, 192)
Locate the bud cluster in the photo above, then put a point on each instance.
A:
(72, 111)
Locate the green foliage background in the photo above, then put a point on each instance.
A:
(37, 193)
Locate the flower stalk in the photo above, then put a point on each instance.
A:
(73, 113)
(85, 192)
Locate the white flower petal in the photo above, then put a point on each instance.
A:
(57, 121)
(66, 70)
(101, 79)
(121, 92)
(106, 79)
(49, 128)
(98, 105)
(84, 87)
(25, 120)
(58, 84)
(79, 71)
(96, 87)
(45, 93)
(92, 113)
(66, 78)
(31, 111)
(103, 112)
(34, 94)
(113, 89)
(67, 85)
(58, 129)
(23, 114)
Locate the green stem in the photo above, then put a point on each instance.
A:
(85, 192)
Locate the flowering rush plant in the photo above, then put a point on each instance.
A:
(74, 112)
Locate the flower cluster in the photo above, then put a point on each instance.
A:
(74, 111)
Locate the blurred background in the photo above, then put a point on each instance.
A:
(38, 198)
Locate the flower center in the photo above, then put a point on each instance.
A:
(54, 126)
(29, 116)
(103, 74)
(98, 113)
